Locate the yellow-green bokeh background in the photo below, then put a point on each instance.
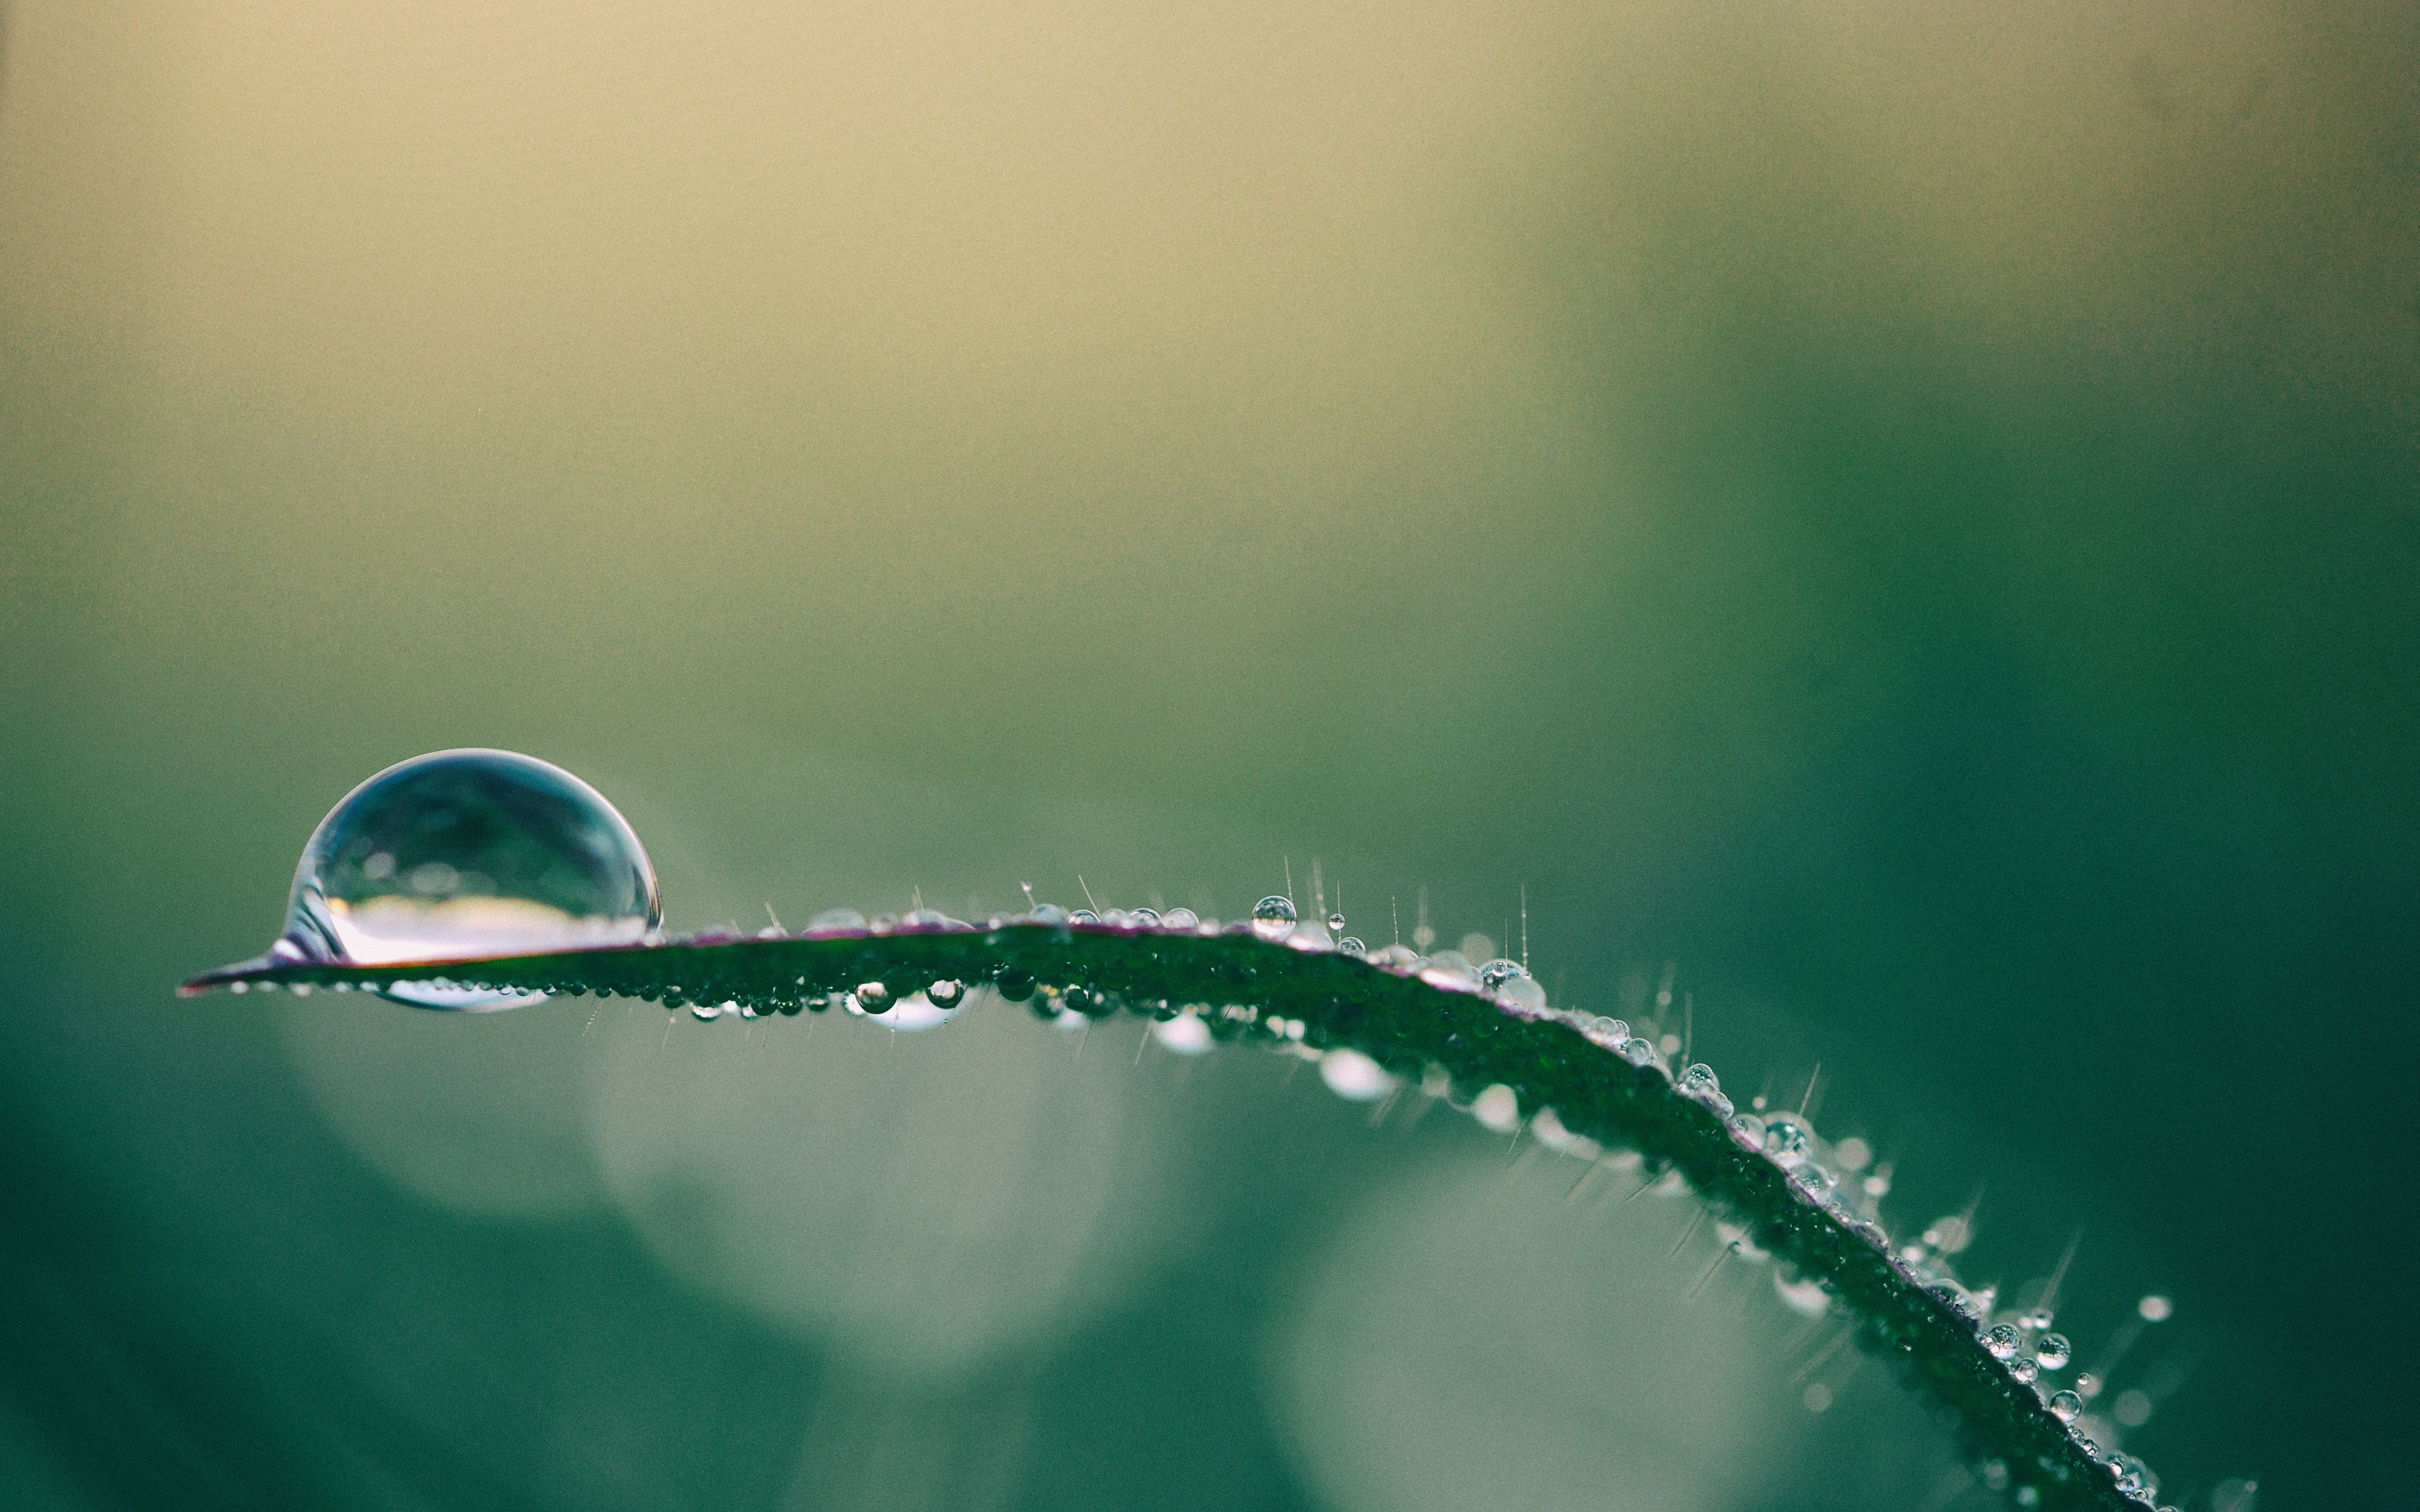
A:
(1907, 512)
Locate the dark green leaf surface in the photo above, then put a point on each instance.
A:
(1405, 1024)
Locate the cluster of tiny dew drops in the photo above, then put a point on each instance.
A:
(483, 852)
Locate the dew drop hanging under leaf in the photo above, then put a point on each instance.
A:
(463, 854)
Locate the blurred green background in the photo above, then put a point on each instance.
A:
(1906, 514)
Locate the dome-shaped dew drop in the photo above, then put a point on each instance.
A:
(463, 854)
(1498, 972)
(1788, 1140)
(1187, 1034)
(1522, 995)
(1273, 918)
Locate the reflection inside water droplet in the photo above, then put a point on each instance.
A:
(463, 854)
(1273, 918)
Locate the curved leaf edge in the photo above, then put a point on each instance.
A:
(1407, 1024)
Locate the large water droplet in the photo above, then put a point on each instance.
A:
(2001, 1341)
(1273, 918)
(2066, 1406)
(463, 854)
(2052, 1353)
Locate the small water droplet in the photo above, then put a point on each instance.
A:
(945, 995)
(1788, 1141)
(1143, 918)
(1352, 947)
(1498, 972)
(1748, 1130)
(461, 854)
(1641, 1053)
(1083, 915)
(1816, 1182)
(1181, 919)
(1311, 935)
(1273, 918)
(2024, 1368)
(1499, 1108)
(1336, 923)
(1354, 1076)
(1187, 1034)
(2087, 1385)
(2051, 1352)
(1956, 1298)
(872, 998)
(1522, 995)
(706, 1012)
(837, 921)
(2001, 1341)
(2132, 1477)
(1050, 913)
(2066, 1406)
(1610, 1033)
(1698, 1080)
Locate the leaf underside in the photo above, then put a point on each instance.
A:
(1404, 1023)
